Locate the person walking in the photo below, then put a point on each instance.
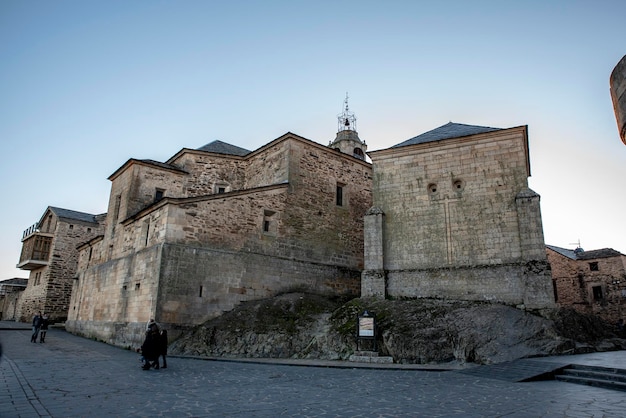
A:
(163, 348)
(36, 326)
(44, 328)
(150, 348)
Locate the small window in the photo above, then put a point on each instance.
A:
(137, 285)
(593, 266)
(71, 226)
(200, 293)
(597, 293)
(358, 153)
(88, 230)
(221, 187)
(432, 188)
(158, 195)
(269, 222)
(340, 194)
(124, 287)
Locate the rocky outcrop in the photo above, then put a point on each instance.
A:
(420, 331)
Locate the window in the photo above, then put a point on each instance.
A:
(137, 286)
(593, 266)
(71, 226)
(201, 289)
(269, 222)
(340, 194)
(146, 232)
(158, 195)
(358, 153)
(597, 293)
(221, 187)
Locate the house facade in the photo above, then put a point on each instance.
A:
(50, 256)
(192, 237)
(592, 282)
(453, 218)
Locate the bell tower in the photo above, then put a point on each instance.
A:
(347, 140)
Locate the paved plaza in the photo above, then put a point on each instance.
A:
(70, 376)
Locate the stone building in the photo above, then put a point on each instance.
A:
(592, 282)
(192, 237)
(453, 218)
(49, 254)
(10, 290)
(617, 84)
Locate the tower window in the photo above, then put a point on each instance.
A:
(339, 195)
(158, 195)
(270, 226)
(593, 266)
(358, 153)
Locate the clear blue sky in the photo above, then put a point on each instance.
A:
(85, 85)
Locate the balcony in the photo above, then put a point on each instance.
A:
(35, 249)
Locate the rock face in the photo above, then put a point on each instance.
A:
(422, 331)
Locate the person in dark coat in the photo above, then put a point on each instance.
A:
(36, 326)
(44, 328)
(150, 348)
(163, 347)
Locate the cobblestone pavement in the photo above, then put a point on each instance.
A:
(69, 376)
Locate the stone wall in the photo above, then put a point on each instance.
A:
(207, 172)
(460, 221)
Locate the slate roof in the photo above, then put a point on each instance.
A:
(580, 254)
(447, 131)
(72, 214)
(220, 147)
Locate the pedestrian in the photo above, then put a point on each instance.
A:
(163, 347)
(36, 326)
(150, 323)
(44, 328)
(150, 348)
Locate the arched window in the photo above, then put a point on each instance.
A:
(358, 153)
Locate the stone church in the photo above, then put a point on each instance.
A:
(453, 218)
(192, 237)
(446, 214)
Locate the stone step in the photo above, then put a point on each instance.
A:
(366, 353)
(595, 374)
(368, 359)
(601, 383)
(608, 378)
